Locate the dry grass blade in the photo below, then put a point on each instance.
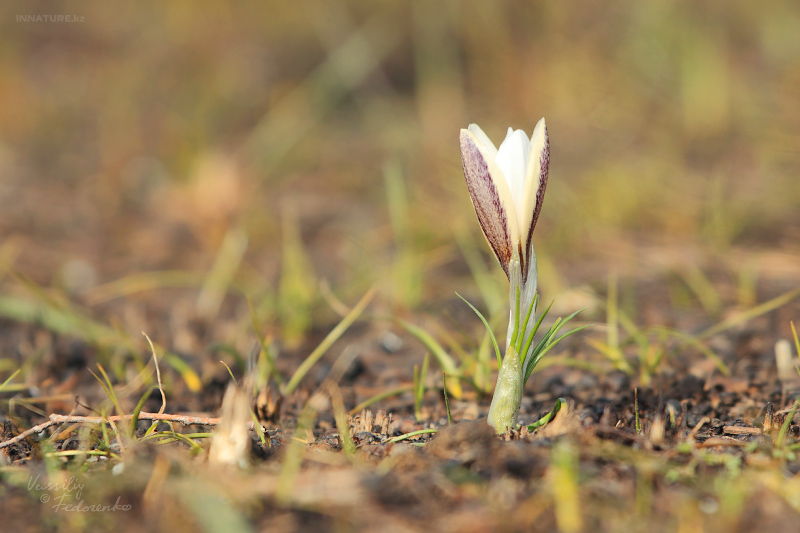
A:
(141, 282)
(158, 374)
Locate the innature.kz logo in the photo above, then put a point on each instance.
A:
(50, 18)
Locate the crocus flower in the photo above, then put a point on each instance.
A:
(507, 189)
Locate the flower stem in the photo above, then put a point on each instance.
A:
(517, 333)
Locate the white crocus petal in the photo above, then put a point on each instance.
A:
(483, 140)
(536, 173)
(512, 158)
(491, 198)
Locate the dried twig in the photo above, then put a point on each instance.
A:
(741, 430)
(24, 434)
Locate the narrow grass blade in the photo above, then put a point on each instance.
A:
(563, 477)
(332, 337)
(612, 321)
(340, 416)
(700, 345)
(419, 386)
(534, 331)
(219, 278)
(446, 401)
(446, 363)
(488, 329)
(56, 319)
(547, 342)
(11, 377)
(702, 287)
(524, 327)
(489, 288)
(171, 436)
(750, 314)
(265, 351)
(188, 374)
(108, 388)
(296, 292)
(786, 423)
(549, 346)
(561, 402)
(293, 457)
(138, 409)
(411, 434)
(788, 420)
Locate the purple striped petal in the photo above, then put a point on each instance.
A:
(536, 183)
(491, 204)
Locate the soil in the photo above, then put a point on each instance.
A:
(629, 449)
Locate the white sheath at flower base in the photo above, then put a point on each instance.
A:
(507, 188)
(507, 397)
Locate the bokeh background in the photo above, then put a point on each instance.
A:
(212, 173)
(297, 153)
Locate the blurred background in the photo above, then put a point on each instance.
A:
(296, 153)
(213, 173)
